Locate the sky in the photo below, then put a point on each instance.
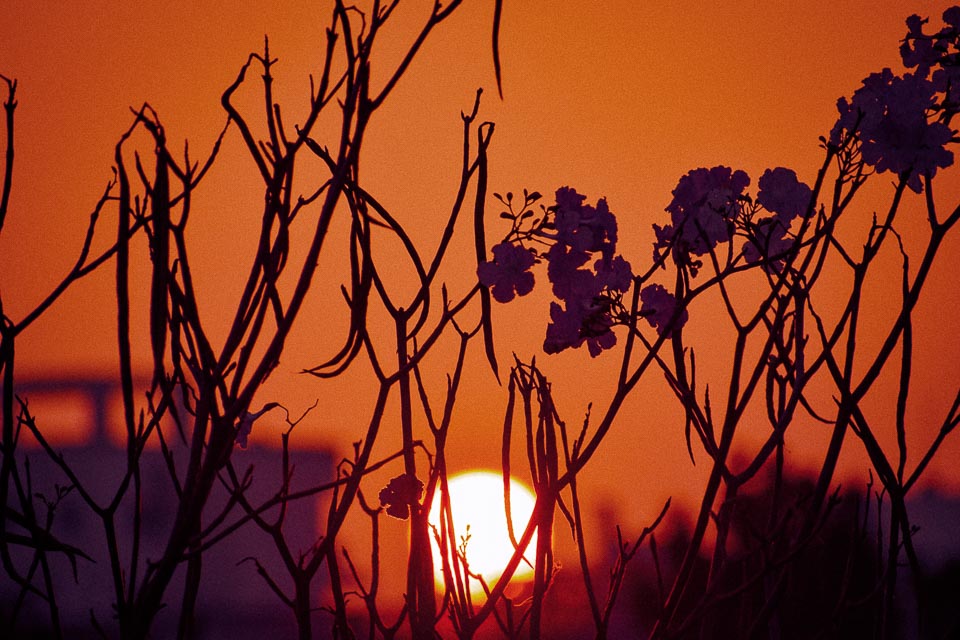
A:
(617, 99)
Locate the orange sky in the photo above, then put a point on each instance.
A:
(615, 98)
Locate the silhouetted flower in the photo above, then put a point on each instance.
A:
(895, 132)
(509, 272)
(614, 275)
(925, 51)
(952, 17)
(580, 321)
(590, 289)
(769, 238)
(865, 109)
(564, 272)
(705, 203)
(400, 495)
(917, 49)
(939, 51)
(563, 330)
(602, 340)
(583, 227)
(588, 296)
(783, 194)
(658, 306)
(664, 240)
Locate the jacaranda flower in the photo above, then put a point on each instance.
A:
(783, 194)
(402, 493)
(704, 206)
(583, 227)
(659, 306)
(580, 321)
(890, 112)
(509, 273)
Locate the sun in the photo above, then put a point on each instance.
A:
(476, 501)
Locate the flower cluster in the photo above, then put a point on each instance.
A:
(900, 121)
(938, 52)
(895, 123)
(783, 195)
(401, 495)
(889, 113)
(659, 307)
(583, 228)
(710, 205)
(591, 301)
(704, 208)
(586, 275)
(591, 292)
(509, 272)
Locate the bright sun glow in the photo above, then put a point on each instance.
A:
(476, 500)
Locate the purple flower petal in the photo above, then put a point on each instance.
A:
(508, 275)
(782, 193)
(659, 306)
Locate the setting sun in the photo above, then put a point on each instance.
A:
(476, 499)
